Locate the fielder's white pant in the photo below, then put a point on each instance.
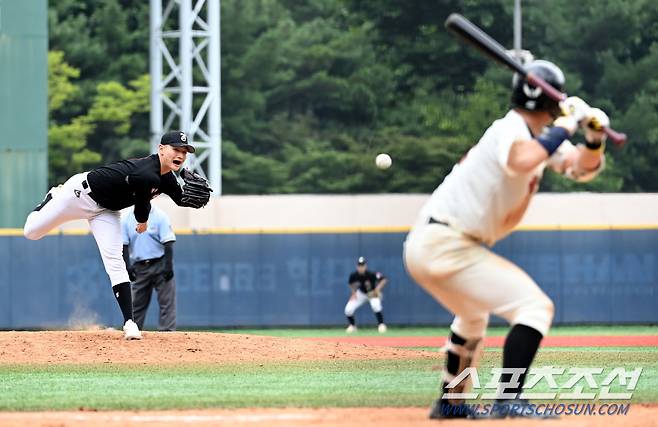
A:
(72, 201)
(358, 300)
(472, 282)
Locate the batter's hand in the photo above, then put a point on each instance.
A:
(596, 120)
(576, 108)
(141, 227)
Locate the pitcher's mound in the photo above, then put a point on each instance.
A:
(180, 347)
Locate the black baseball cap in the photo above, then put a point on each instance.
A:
(177, 138)
(361, 261)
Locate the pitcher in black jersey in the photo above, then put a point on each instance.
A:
(99, 195)
(366, 286)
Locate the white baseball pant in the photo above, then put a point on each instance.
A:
(358, 300)
(71, 202)
(472, 282)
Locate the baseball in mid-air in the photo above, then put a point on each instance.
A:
(383, 161)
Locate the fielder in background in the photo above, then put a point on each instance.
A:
(366, 286)
(99, 195)
(482, 199)
(149, 257)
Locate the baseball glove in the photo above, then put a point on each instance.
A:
(196, 190)
(373, 294)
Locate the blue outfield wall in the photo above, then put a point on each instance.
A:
(597, 276)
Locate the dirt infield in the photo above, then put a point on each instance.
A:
(180, 347)
(557, 341)
(638, 416)
(106, 346)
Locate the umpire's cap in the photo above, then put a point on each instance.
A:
(361, 261)
(177, 138)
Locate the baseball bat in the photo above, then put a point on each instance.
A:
(472, 34)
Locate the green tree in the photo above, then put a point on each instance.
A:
(68, 153)
(60, 87)
(313, 90)
(67, 142)
(112, 111)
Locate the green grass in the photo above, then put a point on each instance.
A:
(304, 384)
(296, 384)
(444, 331)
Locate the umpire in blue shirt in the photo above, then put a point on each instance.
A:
(149, 258)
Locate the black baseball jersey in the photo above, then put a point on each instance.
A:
(367, 281)
(132, 182)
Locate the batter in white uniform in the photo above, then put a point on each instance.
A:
(482, 199)
(100, 194)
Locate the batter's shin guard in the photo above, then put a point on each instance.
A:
(124, 297)
(520, 347)
(460, 354)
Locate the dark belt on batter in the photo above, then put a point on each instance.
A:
(445, 224)
(436, 221)
(148, 261)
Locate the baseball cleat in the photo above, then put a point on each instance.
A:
(131, 331)
(350, 329)
(382, 328)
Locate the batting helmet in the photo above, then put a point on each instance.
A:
(533, 98)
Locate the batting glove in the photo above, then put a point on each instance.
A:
(593, 125)
(576, 108)
(597, 119)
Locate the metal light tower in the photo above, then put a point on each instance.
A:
(523, 55)
(517, 25)
(185, 80)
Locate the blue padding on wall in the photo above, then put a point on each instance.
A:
(600, 276)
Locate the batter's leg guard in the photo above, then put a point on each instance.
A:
(520, 347)
(460, 354)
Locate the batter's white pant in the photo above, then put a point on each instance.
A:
(472, 282)
(71, 202)
(358, 300)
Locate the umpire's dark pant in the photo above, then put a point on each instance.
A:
(149, 277)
